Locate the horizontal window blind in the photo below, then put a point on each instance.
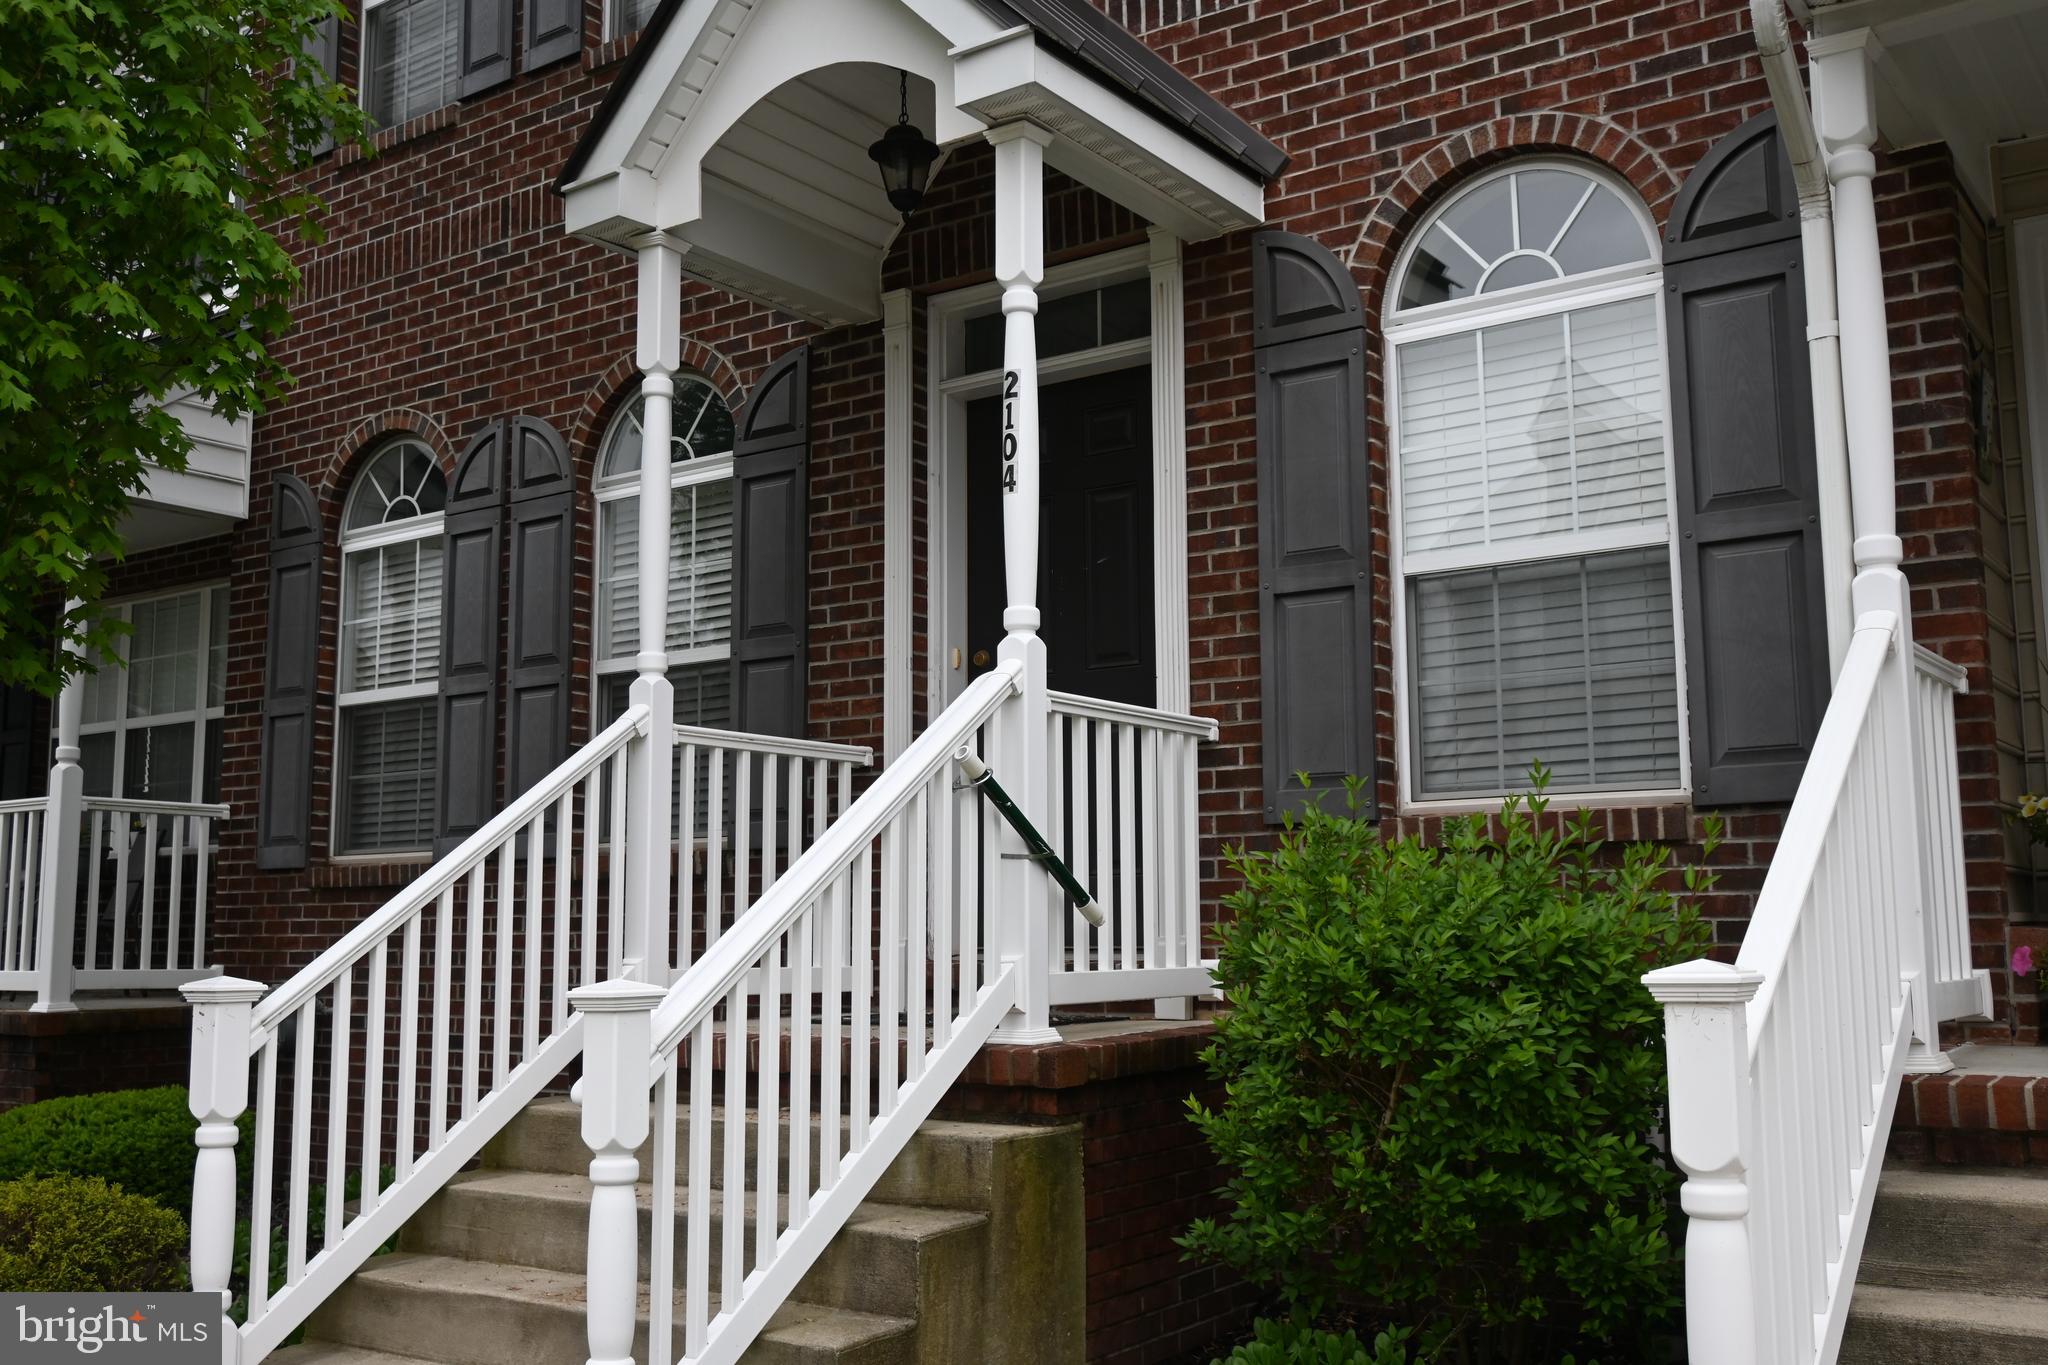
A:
(699, 571)
(1537, 428)
(163, 657)
(1567, 662)
(415, 58)
(630, 16)
(387, 795)
(391, 620)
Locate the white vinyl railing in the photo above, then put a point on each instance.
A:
(750, 805)
(1123, 787)
(117, 888)
(1957, 990)
(1784, 1068)
(452, 1001)
(897, 1003)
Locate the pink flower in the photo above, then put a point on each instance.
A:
(2023, 960)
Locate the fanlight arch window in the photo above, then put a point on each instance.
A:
(390, 664)
(1532, 476)
(699, 643)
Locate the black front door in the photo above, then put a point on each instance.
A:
(1094, 535)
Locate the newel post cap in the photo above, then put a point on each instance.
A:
(617, 996)
(223, 990)
(1703, 981)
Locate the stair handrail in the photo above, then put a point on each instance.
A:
(1784, 1067)
(424, 889)
(913, 830)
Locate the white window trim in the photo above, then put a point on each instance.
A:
(197, 719)
(691, 473)
(422, 527)
(1573, 293)
(947, 395)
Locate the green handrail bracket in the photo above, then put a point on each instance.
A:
(1039, 851)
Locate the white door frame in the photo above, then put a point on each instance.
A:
(2029, 304)
(946, 467)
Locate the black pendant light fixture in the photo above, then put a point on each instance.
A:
(905, 155)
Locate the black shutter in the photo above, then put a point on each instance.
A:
(554, 30)
(17, 743)
(284, 810)
(1315, 533)
(323, 49)
(1748, 496)
(466, 729)
(543, 537)
(486, 44)
(770, 545)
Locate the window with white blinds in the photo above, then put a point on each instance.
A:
(390, 652)
(629, 16)
(151, 728)
(699, 552)
(1533, 541)
(412, 57)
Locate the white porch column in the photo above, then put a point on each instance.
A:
(63, 822)
(1706, 1058)
(1029, 895)
(644, 926)
(1845, 109)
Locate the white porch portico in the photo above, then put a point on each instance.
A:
(735, 150)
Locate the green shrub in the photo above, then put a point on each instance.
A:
(1289, 1341)
(140, 1140)
(1441, 1075)
(79, 1234)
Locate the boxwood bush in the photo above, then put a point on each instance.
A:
(140, 1140)
(1442, 1079)
(81, 1234)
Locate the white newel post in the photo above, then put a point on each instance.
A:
(618, 1076)
(644, 925)
(1845, 109)
(63, 827)
(1023, 920)
(222, 1010)
(1706, 1056)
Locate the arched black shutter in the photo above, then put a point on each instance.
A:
(486, 44)
(466, 724)
(1748, 494)
(543, 541)
(770, 545)
(554, 30)
(284, 809)
(1315, 531)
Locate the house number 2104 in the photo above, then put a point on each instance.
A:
(1009, 431)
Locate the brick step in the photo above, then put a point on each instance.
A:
(1992, 1112)
(888, 1258)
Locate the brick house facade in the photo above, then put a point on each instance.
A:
(447, 294)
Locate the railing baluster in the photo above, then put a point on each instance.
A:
(124, 838)
(732, 1269)
(861, 922)
(201, 881)
(767, 1106)
(177, 872)
(832, 1013)
(373, 1076)
(742, 835)
(1060, 926)
(917, 933)
(95, 852)
(591, 890)
(261, 1177)
(302, 1142)
(473, 990)
(563, 810)
(530, 955)
(1153, 912)
(801, 959)
(697, 1274)
(661, 1244)
(1126, 846)
(714, 857)
(622, 834)
(148, 906)
(444, 980)
(890, 949)
(408, 1049)
(686, 855)
(771, 774)
(13, 882)
(946, 892)
(337, 1110)
(501, 992)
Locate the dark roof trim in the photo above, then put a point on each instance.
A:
(1097, 44)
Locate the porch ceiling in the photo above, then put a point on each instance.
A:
(1970, 73)
(741, 127)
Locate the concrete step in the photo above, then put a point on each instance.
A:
(1889, 1325)
(947, 1164)
(330, 1353)
(458, 1312)
(1978, 1232)
(890, 1259)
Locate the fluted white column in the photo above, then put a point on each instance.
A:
(1029, 895)
(1706, 1053)
(223, 1009)
(618, 1077)
(644, 923)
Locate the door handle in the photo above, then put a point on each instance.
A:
(981, 658)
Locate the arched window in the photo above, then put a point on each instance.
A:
(1532, 477)
(699, 555)
(390, 652)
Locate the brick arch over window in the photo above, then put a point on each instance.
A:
(1454, 160)
(620, 384)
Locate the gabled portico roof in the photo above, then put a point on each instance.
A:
(739, 128)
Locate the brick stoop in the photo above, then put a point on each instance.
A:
(1991, 1111)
